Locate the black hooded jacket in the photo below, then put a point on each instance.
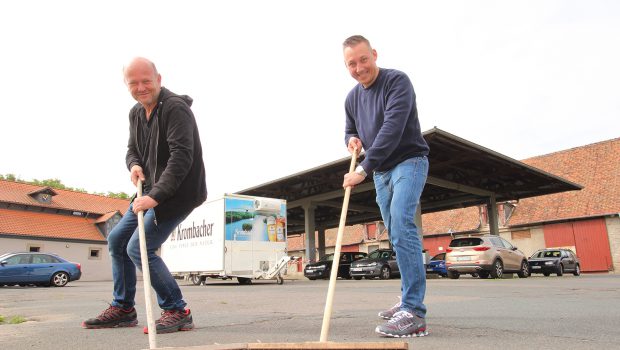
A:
(173, 164)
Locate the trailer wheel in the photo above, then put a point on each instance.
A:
(198, 280)
(280, 280)
(244, 280)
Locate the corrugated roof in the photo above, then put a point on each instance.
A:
(461, 174)
(17, 193)
(27, 223)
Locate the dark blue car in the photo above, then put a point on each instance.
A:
(39, 269)
(437, 265)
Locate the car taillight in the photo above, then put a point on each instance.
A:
(79, 266)
(481, 249)
(448, 250)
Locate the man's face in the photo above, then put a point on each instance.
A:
(143, 83)
(361, 61)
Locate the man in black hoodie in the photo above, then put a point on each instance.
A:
(164, 151)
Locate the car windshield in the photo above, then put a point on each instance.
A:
(329, 257)
(552, 254)
(441, 256)
(546, 254)
(377, 254)
(465, 242)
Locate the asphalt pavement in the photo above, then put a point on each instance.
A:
(535, 313)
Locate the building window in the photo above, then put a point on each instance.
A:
(95, 254)
(524, 234)
(34, 248)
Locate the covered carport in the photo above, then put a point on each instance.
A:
(461, 174)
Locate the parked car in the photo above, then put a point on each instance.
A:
(380, 263)
(323, 267)
(437, 265)
(558, 261)
(37, 269)
(486, 255)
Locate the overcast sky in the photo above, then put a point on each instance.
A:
(523, 78)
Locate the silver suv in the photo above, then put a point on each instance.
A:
(486, 255)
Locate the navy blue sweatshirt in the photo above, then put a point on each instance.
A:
(385, 118)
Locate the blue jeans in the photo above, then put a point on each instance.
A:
(398, 196)
(124, 246)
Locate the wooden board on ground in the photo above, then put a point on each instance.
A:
(301, 346)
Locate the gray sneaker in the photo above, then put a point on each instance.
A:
(403, 325)
(387, 314)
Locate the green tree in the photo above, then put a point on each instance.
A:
(10, 177)
(53, 183)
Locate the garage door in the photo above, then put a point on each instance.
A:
(590, 239)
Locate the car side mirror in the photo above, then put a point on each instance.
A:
(514, 248)
(3, 262)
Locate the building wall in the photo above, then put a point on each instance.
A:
(93, 269)
(528, 240)
(613, 230)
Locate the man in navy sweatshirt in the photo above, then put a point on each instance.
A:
(382, 118)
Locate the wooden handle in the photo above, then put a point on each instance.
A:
(146, 277)
(327, 314)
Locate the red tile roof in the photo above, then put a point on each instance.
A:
(27, 223)
(455, 220)
(17, 193)
(106, 217)
(596, 167)
(351, 235)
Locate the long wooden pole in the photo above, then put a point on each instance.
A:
(146, 277)
(334, 273)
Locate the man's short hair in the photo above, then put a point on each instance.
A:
(354, 40)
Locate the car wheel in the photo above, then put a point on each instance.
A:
(357, 278)
(474, 275)
(577, 271)
(546, 274)
(560, 270)
(483, 274)
(498, 269)
(524, 272)
(385, 273)
(60, 279)
(454, 275)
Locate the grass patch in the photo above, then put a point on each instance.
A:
(17, 320)
(1, 319)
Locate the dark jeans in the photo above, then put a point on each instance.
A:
(124, 246)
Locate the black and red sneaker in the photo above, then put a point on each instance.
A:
(113, 317)
(173, 321)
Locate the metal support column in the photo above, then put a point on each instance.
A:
(492, 213)
(321, 234)
(309, 227)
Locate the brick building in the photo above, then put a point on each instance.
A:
(587, 220)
